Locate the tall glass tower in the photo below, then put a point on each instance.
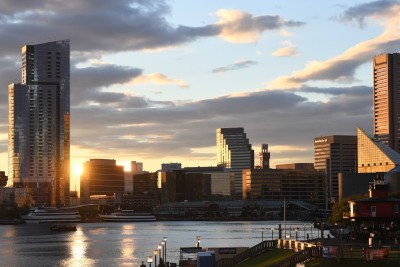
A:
(234, 151)
(386, 97)
(39, 124)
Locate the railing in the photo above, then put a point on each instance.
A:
(251, 252)
(302, 256)
(293, 244)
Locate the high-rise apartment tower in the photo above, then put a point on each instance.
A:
(39, 123)
(386, 98)
(234, 151)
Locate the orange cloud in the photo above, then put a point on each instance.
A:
(159, 78)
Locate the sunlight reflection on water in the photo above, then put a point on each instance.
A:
(124, 244)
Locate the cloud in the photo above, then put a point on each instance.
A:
(158, 78)
(240, 27)
(363, 11)
(269, 116)
(109, 26)
(87, 83)
(342, 67)
(287, 50)
(235, 66)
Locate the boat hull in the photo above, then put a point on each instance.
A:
(116, 217)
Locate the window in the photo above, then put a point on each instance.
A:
(373, 209)
(396, 208)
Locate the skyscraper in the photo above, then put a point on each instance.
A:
(386, 97)
(234, 151)
(39, 123)
(334, 154)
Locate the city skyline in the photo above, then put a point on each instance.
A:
(151, 82)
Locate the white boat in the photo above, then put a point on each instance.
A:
(51, 215)
(128, 216)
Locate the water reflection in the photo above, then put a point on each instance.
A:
(77, 248)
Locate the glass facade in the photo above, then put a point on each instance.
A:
(373, 155)
(39, 123)
(334, 154)
(234, 151)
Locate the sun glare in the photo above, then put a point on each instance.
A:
(78, 169)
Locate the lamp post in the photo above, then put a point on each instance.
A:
(272, 233)
(149, 260)
(198, 239)
(155, 252)
(165, 249)
(159, 252)
(262, 234)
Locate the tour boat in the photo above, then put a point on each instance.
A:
(128, 216)
(51, 215)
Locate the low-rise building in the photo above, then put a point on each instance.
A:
(291, 184)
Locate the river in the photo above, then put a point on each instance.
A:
(128, 244)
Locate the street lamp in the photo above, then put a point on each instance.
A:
(198, 241)
(149, 260)
(272, 233)
(165, 251)
(262, 234)
(159, 251)
(155, 252)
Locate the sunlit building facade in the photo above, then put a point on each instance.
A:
(374, 156)
(386, 98)
(39, 124)
(234, 151)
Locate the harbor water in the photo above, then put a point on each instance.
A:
(127, 243)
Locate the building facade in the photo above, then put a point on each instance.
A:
(3, 179)
(264, 156)
(290, 184)
(101, 177)
(179, 185)
(39, 123)
(136, 168)
(222, 180)
(334, 154)
(386, 99)
(234, 151)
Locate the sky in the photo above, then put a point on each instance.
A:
(151, 81)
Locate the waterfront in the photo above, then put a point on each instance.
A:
(128, 244)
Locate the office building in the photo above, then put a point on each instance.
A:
(235, 152)
(165, 167)
(101, 177)
(334, 154)
(136, 168)
(144, 195)
(39, 124)
(3, 179)
(179, 185)
(386, 99)
(222, 180)
(290, 184)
